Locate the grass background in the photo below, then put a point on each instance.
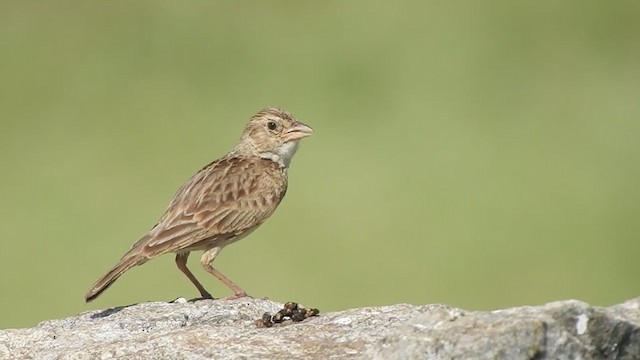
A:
(479, 154)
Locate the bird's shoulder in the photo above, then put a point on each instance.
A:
(231, 181)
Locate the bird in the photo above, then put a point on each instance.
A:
(222, 203)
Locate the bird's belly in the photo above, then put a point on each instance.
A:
(221, 241)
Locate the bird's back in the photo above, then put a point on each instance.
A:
(226, 198)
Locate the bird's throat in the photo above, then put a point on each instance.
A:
(283, 154)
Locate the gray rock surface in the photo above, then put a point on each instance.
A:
(222, 329)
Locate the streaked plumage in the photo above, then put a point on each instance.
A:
(223, 202)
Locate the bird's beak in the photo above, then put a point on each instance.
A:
(298, 131)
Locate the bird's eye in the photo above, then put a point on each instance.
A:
(272, 125)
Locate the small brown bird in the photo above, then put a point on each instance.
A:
(223, 202)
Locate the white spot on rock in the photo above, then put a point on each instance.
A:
(581, 324)
(343, 321)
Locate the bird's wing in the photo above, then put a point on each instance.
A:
(225, 199)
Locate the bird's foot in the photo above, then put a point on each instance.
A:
(203, 296)
(238, 295)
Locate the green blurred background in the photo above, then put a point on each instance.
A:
(478, 154)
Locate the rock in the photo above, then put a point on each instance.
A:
(560, 330)
(222, 329)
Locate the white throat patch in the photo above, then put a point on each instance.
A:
(283, 154)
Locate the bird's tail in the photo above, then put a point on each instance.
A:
(126, 263)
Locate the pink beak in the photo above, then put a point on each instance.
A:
(298, 131)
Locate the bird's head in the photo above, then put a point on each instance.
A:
(272, 134)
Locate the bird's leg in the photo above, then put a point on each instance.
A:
(181, 261)
(206, 260)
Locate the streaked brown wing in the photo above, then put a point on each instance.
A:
(223, 200)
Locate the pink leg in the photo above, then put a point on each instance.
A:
(181, 261)
(207, 259)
